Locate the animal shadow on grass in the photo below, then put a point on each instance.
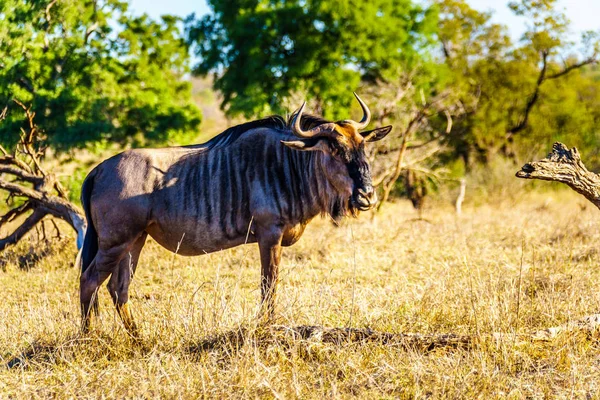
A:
(37, 352)
(44, 351)
(27, 257)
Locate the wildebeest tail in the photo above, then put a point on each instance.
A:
(90, 242)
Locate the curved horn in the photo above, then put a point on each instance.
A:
(366, 114)
(296, 128)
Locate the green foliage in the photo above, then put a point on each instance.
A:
(262, 51)
(74, 182)
(93, 72)
(518, 97)
(95, 75)
(569, 113)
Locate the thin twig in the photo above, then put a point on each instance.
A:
(353, 276)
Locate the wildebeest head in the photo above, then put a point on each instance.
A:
(346, 164)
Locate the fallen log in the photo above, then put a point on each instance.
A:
(351, 335)
(423, 342)
(282, 335)
(587, 324)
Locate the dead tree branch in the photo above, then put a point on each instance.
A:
(564, 165)
(41, 195)
(587, 324)
(389, 177)
(30, 222)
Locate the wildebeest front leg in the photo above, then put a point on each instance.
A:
(269, 242)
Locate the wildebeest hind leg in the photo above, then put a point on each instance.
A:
(89, 282)
(102, 266)
(118, 285)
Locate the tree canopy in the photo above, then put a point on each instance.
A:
(92, 71)
(262, 52)
(517, 96)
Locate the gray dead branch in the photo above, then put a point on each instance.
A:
(31, 192)
(564, 165)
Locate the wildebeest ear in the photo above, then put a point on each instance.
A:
(307, 145)
(376, 134)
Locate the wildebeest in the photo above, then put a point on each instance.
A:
(261, 181)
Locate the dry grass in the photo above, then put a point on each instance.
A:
(513, 268)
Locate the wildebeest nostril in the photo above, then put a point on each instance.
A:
(366, 197)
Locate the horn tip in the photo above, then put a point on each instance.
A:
(301, 107)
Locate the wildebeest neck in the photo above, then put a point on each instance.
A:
(257, 173)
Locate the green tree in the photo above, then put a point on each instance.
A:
(505, 86)
(262, 52)
(91, 71)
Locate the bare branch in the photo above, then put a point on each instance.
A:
(564, 165)
(19, 190)
(14, 213)
(21, 175)
(423, 156)
(449, 123)
(543, 77)
(22, 230)
(48, 7)
(28, 138)
(8, 159)
(91, 29)
(48, 19)
(522, 124)
(46, 197)
(419, 145)
(588, 61)
(387, 186)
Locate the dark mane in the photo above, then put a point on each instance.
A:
(275, 122)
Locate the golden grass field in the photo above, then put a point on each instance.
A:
(522, 264)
